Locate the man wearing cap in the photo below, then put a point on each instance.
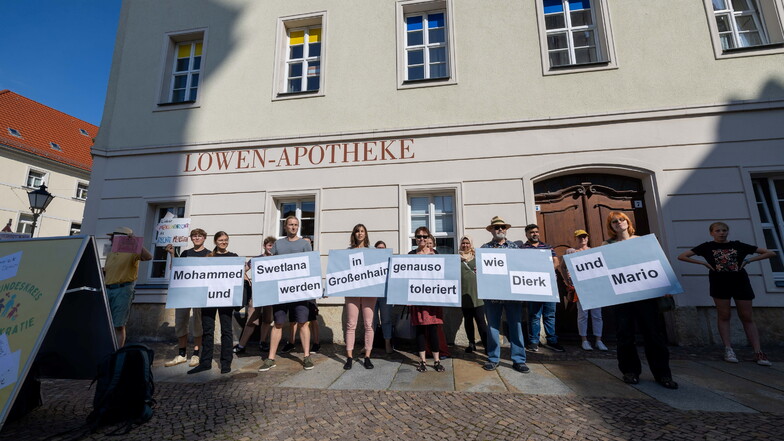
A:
(541, 311)
(120, 273)
(514, 311)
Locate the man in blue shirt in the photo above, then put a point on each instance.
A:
(541, 311)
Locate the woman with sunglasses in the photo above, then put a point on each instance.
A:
(426, 319)
(225, 313)
(359, 239)
(643, 314)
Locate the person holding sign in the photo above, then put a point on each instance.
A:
(426, 319)
(182, 316)
(543, 312)
(473, 308)
(359, 239)
(225, 314)
(120, 272)
(291, 244)
(643, 314)
(383, 314)
(581, 239)
(256, 316)
(494, 308)
(729, 280)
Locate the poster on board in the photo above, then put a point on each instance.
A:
(286, 278)
(622, 272)
(172, 230)
(359, 272)
(199, 282)
(52, 299)
(516, 274)
(424, 280)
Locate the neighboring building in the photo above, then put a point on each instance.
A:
(41, 145)
(446, 113)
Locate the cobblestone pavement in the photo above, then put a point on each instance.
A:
(248, 405)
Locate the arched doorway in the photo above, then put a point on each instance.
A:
(582, 202)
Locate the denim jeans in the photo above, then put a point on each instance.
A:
(545, 312)
(514, 318)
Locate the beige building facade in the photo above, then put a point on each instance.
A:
(397, 114)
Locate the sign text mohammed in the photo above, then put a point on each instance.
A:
(345, 153)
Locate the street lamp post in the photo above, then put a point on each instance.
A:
(39, 200)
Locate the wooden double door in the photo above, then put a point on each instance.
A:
(582, 202)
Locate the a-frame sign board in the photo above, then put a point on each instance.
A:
(53, 312)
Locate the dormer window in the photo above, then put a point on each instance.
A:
(84, 132)
(14, 132)
(56, 146)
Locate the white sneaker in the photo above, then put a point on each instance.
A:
(762, 359)
(729, 356)
(194, 361)
(179, 359)
(587, 346)
(600, 346)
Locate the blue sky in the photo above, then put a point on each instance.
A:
(59, 52)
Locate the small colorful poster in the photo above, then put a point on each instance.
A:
(359, 272)
(623, 272)
(424, 280)
(127, 244)
(286, 278)
(516, 274)
(173, 230)
(199, 282)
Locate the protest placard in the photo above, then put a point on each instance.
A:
(286, 278)
(516, 274)
(359, 272)
(623, 272)
(198, 282)
(14, 236)
(127, 244)
(173, 230)
(424, 279)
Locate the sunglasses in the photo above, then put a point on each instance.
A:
(499, 227)
(421, 236)
(618, 220)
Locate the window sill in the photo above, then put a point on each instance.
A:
(298, 95)
(427, 82)
(751, 51)
(162, 107)
(578, 68)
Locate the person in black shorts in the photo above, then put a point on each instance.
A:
(728, 280)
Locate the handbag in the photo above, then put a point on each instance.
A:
(403, 327)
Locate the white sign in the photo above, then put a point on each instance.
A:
(9, 265)
(198, 282)
(172, 230)
(270, 269)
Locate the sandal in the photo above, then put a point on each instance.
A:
(667, 382)
(438, 367)
(631, 378)
(422, 367)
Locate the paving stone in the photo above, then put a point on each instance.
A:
(538, 381)
(378, 378)
(470, 377)
(589, 380)
(409, 379)
(325, 372)
(772, 376)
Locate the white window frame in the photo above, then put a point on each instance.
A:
(171, 43)
(44, 178)
(775, 223)
(286, 25)
(280, 231)
(768, 16)
(14, 132)
(603, 39)
(81, 195)
(408, 192)
(409, 8)
(25, 221)
(76, 228)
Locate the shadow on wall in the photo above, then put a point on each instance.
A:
(747, 141)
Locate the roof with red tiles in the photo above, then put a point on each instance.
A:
(39, 126)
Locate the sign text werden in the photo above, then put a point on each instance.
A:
(199, 282)
(623, 272)
(360, 272)
(419, 279)
(516, 274)
(287, 278)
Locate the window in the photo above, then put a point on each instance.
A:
(56, 146)
(769, 195)
(14, 132)
(35, 178)
(159, 266)
(81, 191)
(84, 132)
(304, 209)
(25, 224)
(575, 35)
(437, 213)
(75, 229)
(745, 27)
(183, 69)
(426, 54)
(301, 48)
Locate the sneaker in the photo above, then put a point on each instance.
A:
(762, 359)
(533, 347)
(199, 368)
(368, 364)
(194, 361)
(179, 359)
(490, 366)
(307, 364)
(225, 370)
(267, 365)
(348, 364)
(587, 346)
(555, 347)
(600, 346)
(630, 378)
(667, 382)
(729, 356)
(316, 347)
(521, 367)
(288, 347)
(238, 349)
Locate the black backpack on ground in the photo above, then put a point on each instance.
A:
(125, 388)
